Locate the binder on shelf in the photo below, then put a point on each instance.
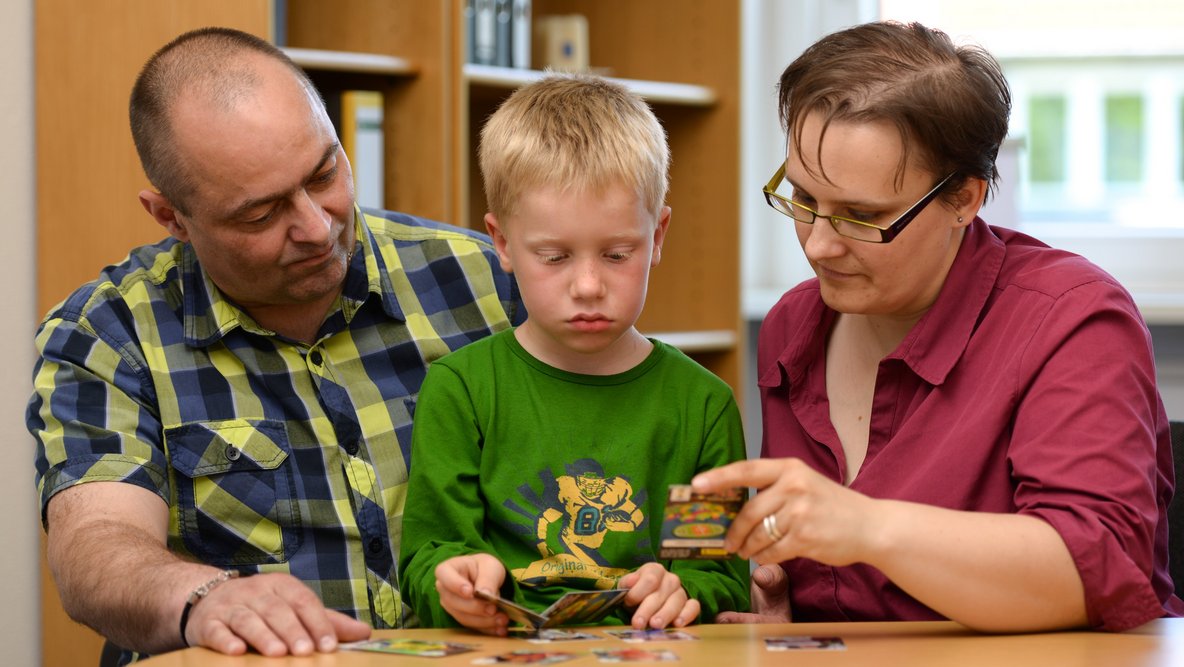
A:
(361, 114)
(470, 19)
(561, 43)
(520, 34)
(503, 10)
(485, 32)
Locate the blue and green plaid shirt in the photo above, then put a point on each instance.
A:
(273, 455)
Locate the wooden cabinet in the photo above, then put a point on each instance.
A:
(683, 55)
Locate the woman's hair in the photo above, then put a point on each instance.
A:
(574, 132)
(210, 60)
(949, 103)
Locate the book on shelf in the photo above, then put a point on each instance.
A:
(561, 43)
(498, 32)
(358, 116)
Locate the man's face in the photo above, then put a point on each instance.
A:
(271, 217)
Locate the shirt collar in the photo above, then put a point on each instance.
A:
(209, 315)
(937, 340)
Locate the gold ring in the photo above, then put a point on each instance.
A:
(771, 528)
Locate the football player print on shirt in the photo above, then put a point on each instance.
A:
(579, 511)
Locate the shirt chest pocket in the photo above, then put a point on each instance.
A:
(235, 491)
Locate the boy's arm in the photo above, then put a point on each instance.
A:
(444, 511)
(718, 585)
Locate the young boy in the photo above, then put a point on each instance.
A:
(541, 457)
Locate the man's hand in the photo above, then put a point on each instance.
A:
(659, 597)
(457, 579)
(275, 614)
(770, 599)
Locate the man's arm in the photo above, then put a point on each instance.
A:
(107, 552)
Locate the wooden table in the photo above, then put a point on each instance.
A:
(930, 644)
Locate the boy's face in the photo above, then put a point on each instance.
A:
(582, 260)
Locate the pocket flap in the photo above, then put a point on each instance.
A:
(211, 448)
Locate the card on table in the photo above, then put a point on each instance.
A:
(576, 608)
(633, 654)
(694, 524)
(420, 647)
(805, 644)
(651, 635)
(526, 657)
(549, 635)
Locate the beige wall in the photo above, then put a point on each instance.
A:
(19, 611)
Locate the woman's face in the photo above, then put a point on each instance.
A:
(900, 279)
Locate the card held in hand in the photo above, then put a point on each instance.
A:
(694, 524)
(577, 608)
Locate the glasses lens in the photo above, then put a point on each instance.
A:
(799, 213)
(857, 232)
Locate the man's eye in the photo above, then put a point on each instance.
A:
(326, 177)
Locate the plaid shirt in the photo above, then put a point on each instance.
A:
(273, 455)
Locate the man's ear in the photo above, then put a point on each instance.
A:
(660, 235)
(499, 241)
(164, 213)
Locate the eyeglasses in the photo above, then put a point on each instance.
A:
(852, 229)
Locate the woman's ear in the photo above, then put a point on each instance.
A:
(969, 200)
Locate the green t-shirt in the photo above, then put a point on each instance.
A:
(562, 476)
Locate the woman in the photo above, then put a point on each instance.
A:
(959, 421)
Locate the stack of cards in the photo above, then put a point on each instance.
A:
(694, 524)
(579, 608)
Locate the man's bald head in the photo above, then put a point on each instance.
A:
(219, 66)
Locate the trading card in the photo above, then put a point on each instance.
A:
(525, 657)
(576, 608)
(548, 635)
(805, 644)
(694, 524)
(583, 607)
(420, 647)
(514, 611)
(650, 635)
(633, 654)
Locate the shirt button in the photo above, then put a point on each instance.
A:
(232, 453)
(315, 357)
(352, 447)
(375, 545)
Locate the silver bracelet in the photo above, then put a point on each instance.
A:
(199, 593)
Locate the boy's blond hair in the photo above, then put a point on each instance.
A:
(575, 132)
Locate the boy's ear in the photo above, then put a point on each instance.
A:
(499, 241)
(660, 235)
(164, 213)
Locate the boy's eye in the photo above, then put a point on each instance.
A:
(552, 259)
(617, 256)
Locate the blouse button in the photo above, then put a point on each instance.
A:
(232, 453)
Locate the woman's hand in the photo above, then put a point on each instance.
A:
(796, 513)
(770, 599)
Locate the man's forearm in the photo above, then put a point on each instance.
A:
(107, 552)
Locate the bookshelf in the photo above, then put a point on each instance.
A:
(434, 114)
(683, 56)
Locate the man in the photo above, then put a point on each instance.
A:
(237, 399)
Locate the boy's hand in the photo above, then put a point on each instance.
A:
(456, 580)
(659, 597)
